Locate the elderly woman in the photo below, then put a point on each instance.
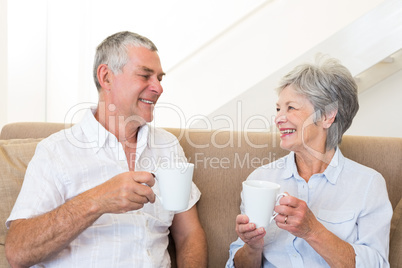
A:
(337, 213)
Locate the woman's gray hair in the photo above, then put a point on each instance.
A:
(113, 51)
(330, 87)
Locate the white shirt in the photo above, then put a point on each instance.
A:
(349, 199)
(73, 161)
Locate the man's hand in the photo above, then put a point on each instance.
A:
(33, 240)
(124, 192)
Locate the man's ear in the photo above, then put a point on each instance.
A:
(329, 118)
(104, 76)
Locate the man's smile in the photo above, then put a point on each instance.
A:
(147, 101)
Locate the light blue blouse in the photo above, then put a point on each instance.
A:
(349, 199)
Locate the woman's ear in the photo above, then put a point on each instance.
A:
(329, 118)
(104, 76)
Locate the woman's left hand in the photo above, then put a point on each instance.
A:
(296, 217)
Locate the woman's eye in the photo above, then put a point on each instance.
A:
(291, 108)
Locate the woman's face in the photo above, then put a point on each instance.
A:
(294, 119)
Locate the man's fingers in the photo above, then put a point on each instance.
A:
(140, 198)
(145, 191)
(141, 185)
(143, 177)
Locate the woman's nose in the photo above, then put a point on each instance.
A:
(280, 118)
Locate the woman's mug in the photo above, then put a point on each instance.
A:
(259, 199)
(278, 197)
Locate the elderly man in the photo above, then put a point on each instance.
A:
(88, 198)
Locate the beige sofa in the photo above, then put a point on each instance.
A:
(223, 160)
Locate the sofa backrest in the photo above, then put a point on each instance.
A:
(223, 160)
(33, 130)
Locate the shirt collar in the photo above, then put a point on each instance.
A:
(291, 169)
(331, 172)
(93, 130)
(142, 139)
(98, 136)
(335, 166)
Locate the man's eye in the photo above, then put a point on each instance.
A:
(146, 76)
(277, 109)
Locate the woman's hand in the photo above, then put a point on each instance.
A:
(248, 232)
(250, 254)
(296, 217)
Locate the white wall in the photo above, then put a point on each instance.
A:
(177, 27)
(208, 59)
(26, 62)
(3, 62)
(380, 112)
(64, 35)
(359, 45)
(271, 38)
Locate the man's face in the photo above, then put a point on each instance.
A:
(136, 89)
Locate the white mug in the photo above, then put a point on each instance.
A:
(260, 198)
(175, 180)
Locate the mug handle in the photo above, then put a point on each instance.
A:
(278, 197)
(156, 179)
(159, 197)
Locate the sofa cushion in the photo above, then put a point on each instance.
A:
(395, 256)
(14, 157)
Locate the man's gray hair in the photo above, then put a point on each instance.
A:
(113, 51)
(330, 87)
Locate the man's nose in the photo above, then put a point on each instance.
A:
(157, 87)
